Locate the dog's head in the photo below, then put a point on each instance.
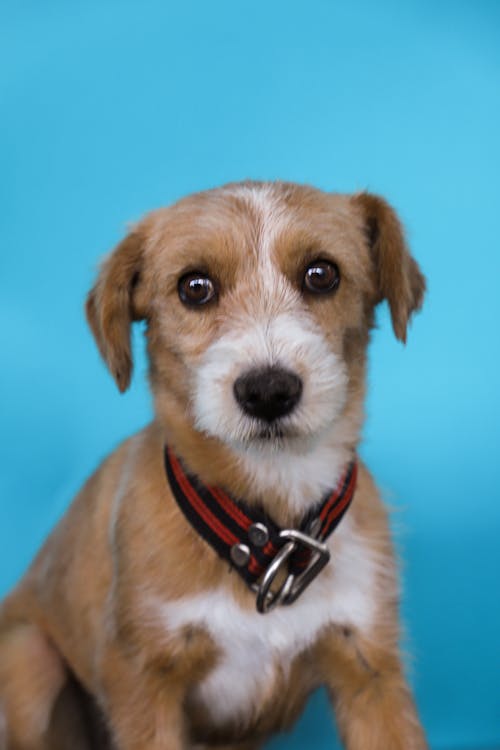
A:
(259, 298)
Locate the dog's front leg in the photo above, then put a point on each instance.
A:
(373, 704)
(144, 706)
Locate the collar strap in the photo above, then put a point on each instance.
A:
(252, 542)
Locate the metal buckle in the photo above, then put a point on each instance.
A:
(293, 586)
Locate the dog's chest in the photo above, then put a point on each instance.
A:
(254, 648)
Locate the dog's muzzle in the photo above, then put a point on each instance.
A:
(268, 393)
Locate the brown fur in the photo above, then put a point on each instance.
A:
(80, 608)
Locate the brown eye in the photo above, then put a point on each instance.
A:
(321, 277)
(196, 289)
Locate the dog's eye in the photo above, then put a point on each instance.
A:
(321, 277)
(196, 289)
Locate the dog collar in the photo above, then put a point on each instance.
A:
(253, 543)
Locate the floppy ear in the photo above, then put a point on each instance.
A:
(398, 277)
(114, 302)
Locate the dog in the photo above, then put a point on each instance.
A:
(234, 555)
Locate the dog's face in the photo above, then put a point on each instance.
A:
(259, 298)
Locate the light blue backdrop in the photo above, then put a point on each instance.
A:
(110, 108)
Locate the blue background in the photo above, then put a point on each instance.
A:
(110, 108)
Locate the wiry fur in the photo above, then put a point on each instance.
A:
(124, 596)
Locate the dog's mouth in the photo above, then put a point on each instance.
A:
(271, 433)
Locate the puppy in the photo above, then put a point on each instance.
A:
(234, 555)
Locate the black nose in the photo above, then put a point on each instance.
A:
(268, 393)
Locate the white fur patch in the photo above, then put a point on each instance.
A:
(253, 646)
(311, 459)
(285, 340)
(300, 477)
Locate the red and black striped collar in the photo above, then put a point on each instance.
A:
(252, 542)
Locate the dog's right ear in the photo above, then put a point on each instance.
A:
(116, 300)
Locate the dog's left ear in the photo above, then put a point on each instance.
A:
(117, 299)
(397, 275)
